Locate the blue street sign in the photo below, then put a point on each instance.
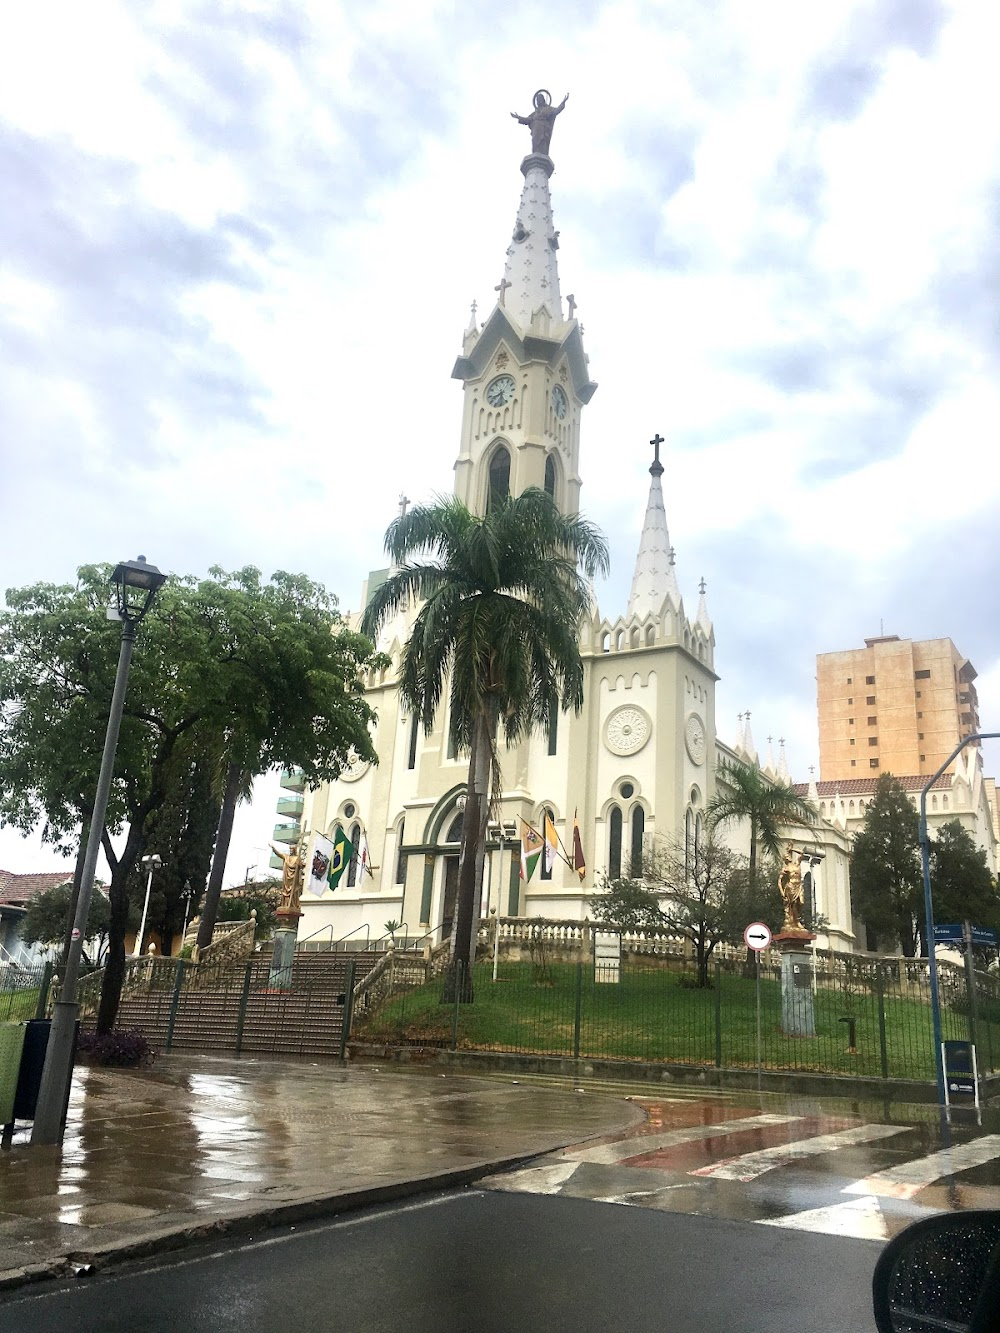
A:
(954, 933)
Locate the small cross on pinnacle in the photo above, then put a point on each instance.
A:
(703, 587)
(770, 739)
(502, 289)
(781, 740)
(404, 501)
(656, 467)
(672, 557)
(475, 307)
(571, 302)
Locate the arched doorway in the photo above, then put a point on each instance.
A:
(449, 895)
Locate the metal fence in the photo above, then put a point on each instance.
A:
(24, 991)
(872, 1015)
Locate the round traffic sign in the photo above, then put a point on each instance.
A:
(757, 935)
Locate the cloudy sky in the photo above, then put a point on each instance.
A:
(238, 244)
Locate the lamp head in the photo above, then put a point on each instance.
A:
(136, 583)
(153, 861)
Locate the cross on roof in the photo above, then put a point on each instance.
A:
(672, 556)
(404, 501)
(703, 587)
(501, 287)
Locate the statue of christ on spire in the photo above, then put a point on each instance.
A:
(541, 120)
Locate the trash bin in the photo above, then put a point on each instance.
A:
(36, 1040)
(11, 1045)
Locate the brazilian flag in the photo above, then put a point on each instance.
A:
(341, 858)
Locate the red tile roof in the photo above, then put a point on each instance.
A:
(18, 889)
(866, 786)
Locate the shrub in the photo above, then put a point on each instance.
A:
(125, 1049)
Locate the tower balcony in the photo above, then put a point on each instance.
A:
(290, 806)
(293, 779)
(275, 862)
(287, 832)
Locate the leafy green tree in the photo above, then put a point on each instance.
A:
(706, 895)
(963, 888)
(628, 904)
(886, 879)
(501, 597)
(254, 674)
(744, 794)
(45, 919)
(262, 896)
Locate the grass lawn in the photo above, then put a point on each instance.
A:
(651, 1016)
(17, 1005)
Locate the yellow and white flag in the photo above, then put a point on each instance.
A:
(551, 844)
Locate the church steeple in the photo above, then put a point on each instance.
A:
(654, 578)
(525, 371)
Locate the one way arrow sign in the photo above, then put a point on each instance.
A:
(757, 935)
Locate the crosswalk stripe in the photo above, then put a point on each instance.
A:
(754, 1164)
(607, 1154)
(909, 1178)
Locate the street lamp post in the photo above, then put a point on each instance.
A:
(151, 862)
(925, 859)
(136, 584)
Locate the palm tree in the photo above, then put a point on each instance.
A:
(501, 597)
(745, 793)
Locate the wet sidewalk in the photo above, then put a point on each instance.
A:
(199, 1145)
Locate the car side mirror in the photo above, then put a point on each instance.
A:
(942, 1273)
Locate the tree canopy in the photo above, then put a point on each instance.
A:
(963, 888)
(251, 673)
(886, 880)
(45, 919)
(744, 794)
(501, 598)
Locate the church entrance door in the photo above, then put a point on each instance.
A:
(450, 895)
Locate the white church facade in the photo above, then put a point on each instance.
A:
(638, 762)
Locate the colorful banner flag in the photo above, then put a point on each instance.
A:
(551, 844)
(579, 863)
(341, 857)
(531, 850)
(319, 866)
(364, 858)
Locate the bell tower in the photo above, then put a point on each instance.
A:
(524, 372)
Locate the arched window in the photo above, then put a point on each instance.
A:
(553, 727)
(614, 842)
(699, 835)
(411, 755)
(454, 833)
(638, 828)
(807, 894)
(352, 869)
(550, 477)
(688, 842)
(499, 479)
(546, 870)
(400, 855)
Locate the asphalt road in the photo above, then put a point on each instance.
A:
(482, 1262)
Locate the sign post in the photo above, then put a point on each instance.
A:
(757, 936)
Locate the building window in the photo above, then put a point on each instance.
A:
(873, 763)
(550, 477)
(615, 843)
(546, 871)
(920, 735)
(626, 791)
(553, 726)
(854, 763)
(499, 479)
(852, 740)
(352, 869)
(872, 721)
(923, 759)
(869, 680)
(873, 740)
(919, 714)
(411, 758)
(638, 828)
(850, 701)
(688, 842)
(918, 694)
(870, 699)
(850, 680)
(400, 856)
(921, 675)
(850, 721)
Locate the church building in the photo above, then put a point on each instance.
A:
(640, 759)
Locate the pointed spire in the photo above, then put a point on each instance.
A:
(748, 744)
(531, 275)
(739, 746)
(654, 578)
(812, 795)
(473, 326)
(783, 773)
(769, 767)
(703, 620)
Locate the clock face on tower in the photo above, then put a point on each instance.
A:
(694, 738)
(559, 402)
(500, 391)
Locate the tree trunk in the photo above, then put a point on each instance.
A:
(114, 967)
(472, 820)
(750, 961)
(74, 898)
(210, 909)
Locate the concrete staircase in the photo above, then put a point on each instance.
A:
(235, 1011)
